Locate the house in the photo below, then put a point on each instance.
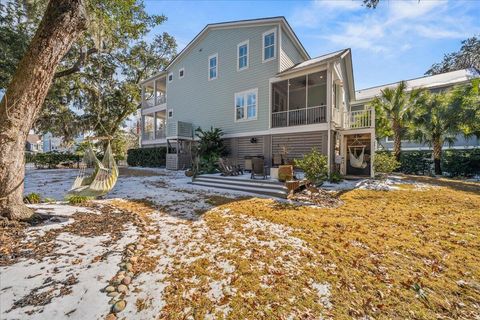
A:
(255, 81)
(34, 144)
(52, 143)
(435, 83)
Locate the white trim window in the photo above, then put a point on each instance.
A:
(269, 45)
(213, 67)
(246, 105)
(242, 55)
(181, 73)
(170, 77)
(170, 113)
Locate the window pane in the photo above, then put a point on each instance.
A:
(213, 62)
(269, 39)
(269, 52)
(240, 112)
(240, 101)
(251, 99)
(213, 73)
(242, 63)
(251, 112)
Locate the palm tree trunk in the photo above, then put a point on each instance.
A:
(437, 155)
(397, 140)
(62, 23)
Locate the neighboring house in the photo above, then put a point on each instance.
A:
(255, 81)
(436, 83)
(52, 143)
(34, 144)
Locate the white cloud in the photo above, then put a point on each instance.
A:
(394, 26)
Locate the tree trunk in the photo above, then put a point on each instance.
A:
(62, 23)
(397, 140)
(437, 155)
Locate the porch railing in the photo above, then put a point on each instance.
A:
(148, 135)
(359, 119)
(152, 102)
(299, 117)
(160, 133)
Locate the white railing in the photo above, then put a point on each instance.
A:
(160, 133)
(299, 117)
(359, 119)
(336, 116)
(155, 101)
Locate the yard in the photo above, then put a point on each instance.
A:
(160, 247)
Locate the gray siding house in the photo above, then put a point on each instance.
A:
(436, 83)
(255, 81)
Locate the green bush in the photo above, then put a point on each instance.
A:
(336, 177)
(385, 163)
(315, 166)
(75, 200)
(52, 159)
(32, 198)
(147, 157)
(209, 149)
(455, 163)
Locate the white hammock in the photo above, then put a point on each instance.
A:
(357, 162)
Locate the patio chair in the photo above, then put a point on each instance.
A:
(225, 169)
(258, 168)
(234, 167)
(277, 160)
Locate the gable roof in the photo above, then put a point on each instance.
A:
(314, 61)
(34, 138)
(429, 82)
(243, 23)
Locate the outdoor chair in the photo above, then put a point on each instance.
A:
(277, 160)
(258, 168)
(225, 169)
(236, 168)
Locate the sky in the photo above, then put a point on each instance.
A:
(399, 40)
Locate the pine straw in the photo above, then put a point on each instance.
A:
(390, 254)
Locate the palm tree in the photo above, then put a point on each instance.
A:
(392, 109)
(435, 122)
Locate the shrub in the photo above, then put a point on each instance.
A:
(147, 157)
(315, 166)
(455, 163)
(32, 198)
(75, 200)
(52, 159)
(285, 173)
(336, 177)
(210, 147)
(385, 163)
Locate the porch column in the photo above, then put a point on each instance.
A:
(329, 118)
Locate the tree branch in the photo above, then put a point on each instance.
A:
(76, 67)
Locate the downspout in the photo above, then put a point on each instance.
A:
(329, 117)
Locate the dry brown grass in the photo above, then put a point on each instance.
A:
(392, 254)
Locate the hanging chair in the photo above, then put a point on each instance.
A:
(101, 180)
(357, 160)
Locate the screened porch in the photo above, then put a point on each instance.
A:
(300, 101)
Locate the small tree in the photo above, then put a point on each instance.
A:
(315, 166)
(385, 163)
(435, 122)
(210, 148)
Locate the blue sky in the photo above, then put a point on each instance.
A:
(399, 40)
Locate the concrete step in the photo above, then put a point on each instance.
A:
(245, 178)
(250, 189)
(243, 183)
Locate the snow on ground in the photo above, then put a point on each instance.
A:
(74, 276)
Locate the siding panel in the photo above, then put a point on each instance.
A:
(299, 144)
(289, 55)
(204, 103)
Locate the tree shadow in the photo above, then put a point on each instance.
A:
(459, 185)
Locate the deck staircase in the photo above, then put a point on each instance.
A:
(257, 186)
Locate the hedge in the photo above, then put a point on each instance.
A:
(53, 159)
(147, 157)
(455, 163)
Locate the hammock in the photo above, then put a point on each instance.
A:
(101, 180)
(357, 161)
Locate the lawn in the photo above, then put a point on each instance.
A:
(194, 253)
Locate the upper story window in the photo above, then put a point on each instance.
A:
(181, 73)
(213, 66)
(170, 77)
(242, 55)
(246, 105)
(269, 44)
